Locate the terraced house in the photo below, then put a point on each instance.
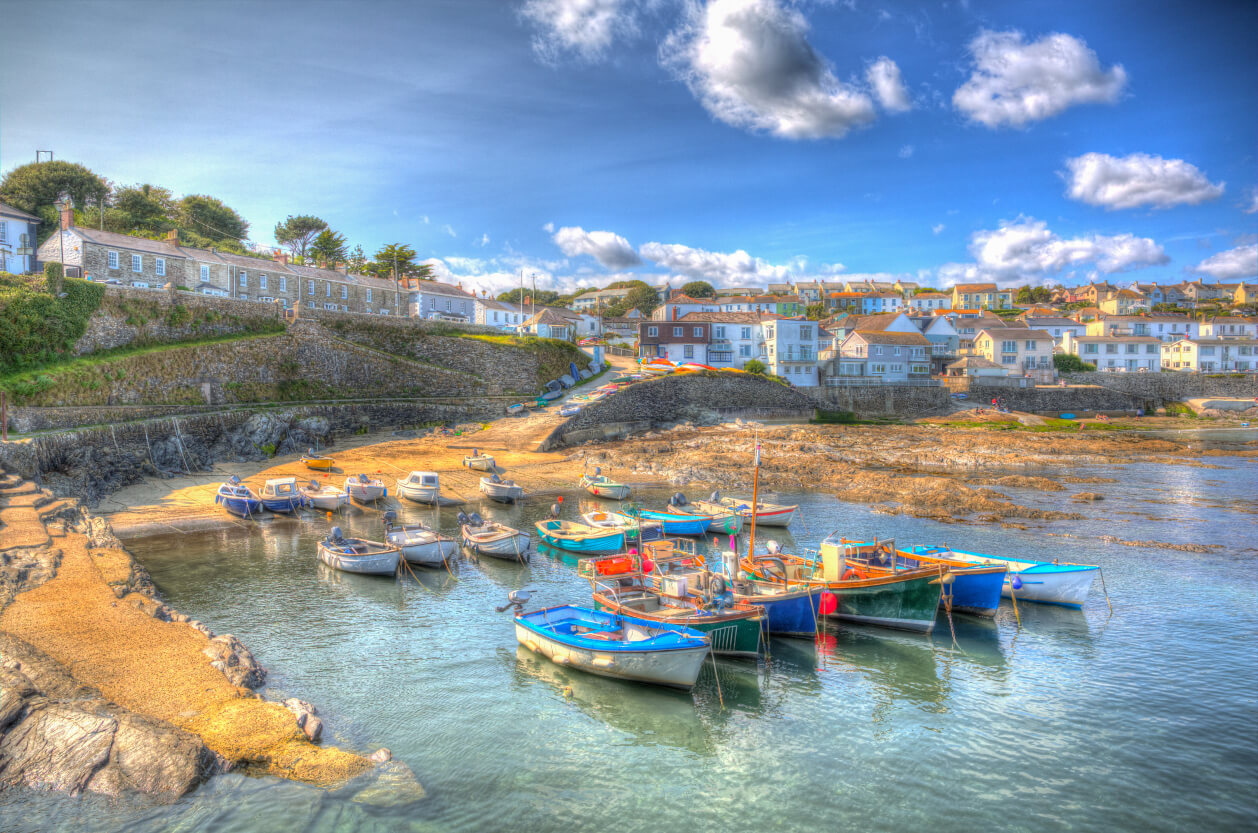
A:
(1020, 349)
(17, 240)
(141, 263)
(1116, 353)
(981, 296)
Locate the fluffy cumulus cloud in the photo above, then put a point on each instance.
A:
(1234, 264)
(1137, 180)
(584, 28)
(1015, 82)
(750, 65)
(1252, 207)
(1026, 249)
(728, 268)
(609, 249)
(884, 79)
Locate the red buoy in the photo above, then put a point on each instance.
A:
(647, 565)
(828, 604)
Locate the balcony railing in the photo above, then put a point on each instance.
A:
(877, 381)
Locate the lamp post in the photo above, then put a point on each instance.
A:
(62, 206)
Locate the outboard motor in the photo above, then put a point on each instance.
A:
(310, 451)
(388, 517)
(716, 497)
(678, 499)
(475, 519)
(462, 518)
(598, 470)
(517, 599)
(362, 478)
(494, 478)
(773, 547)
(335, 535)
(554, 511)
(314, 484)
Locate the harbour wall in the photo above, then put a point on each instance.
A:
(1161, 388)
(882, 400)
(92, 463)
(703, 398)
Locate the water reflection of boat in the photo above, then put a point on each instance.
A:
(900, 667)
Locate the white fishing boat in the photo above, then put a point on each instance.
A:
(479, 462)
(357, 555)
(1045, 582)
(421, 487)
(365, 489)
(635, 529)
(601, 486)
(419, 543)
(721, 518)
(503, 491)
(492, 538)
(324, 496)
(767, 514)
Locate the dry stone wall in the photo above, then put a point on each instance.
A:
(130, 316)
(1162, 388)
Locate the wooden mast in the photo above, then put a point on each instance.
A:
(755, 500)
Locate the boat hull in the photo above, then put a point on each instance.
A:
(282, 505)
(1066, 585)
(329, 503)
(501, 493)
(612, 491)
(770, 517)
(788, 614)
(509, 547)
(909, 605)
(427, 553)
(240, 506)
(419, 494)
(366, 494)
(678, 524)
(375, 564)
(741, 637)
(318, 465)
(614, 541)
(479, 464)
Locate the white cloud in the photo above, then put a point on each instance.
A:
(1234, 264)
(1026, 249)
(937, 228)
(484, 240)
(608, 248)
(1253, 202)
(884, 79)
(718, 268)
(585, 28)
(549, 228)
(1015, 82)
(449, 229)
(424, 219)
(750, 65)
(906, 151)
(1136, 180)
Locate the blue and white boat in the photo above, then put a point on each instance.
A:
(615, 645)
(576, 537)
(282, 495)
(974, 588)
(677, 524)
(238, 498)
(1027, 581)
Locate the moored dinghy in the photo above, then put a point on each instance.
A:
(600, 486)
(281, 494)
(720, 518)
(421, 487)
(674, 523)
(767, 514)
(479, 462)
(318, 462)
(418, 543)
(492, 538)
(365, 489)
(324, 496)
(1045, 582)
(635, 529)
(503, 491)
(576, 537)
(356, 555)
(238, 498)
(612, 645)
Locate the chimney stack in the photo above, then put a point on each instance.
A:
(343, 268)
(67, 215)
(172, 237)
(281, 257)
(323, 264)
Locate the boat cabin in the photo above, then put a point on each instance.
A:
(423, 479)
(280, 487)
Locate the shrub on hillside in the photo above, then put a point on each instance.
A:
(1070, 363)
(37, 327)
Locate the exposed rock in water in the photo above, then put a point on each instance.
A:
(1018, 481)
(58, 734)
(1087, 496)
(238, 664)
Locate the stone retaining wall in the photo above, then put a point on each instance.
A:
(145, 316)
(881, 400)
(1171, 387)
(697, 397)
(1055, 400)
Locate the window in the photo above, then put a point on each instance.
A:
(1111, 348)
(1089, 348)
(160, 266)
(344, 308)
(205, 272)
(1008, 346)
(329, 306)
(1133, 348)
(309, 287)
(744, 350)
(1030, 345)
(720, 332)
(895, 351)
(677, 331)
(746, 332)
(688, 351)
(1009, 359)
(4, 232)
(266, 299)
(369, 301)
(113, 260)
(805, 333)
(137, 263)
(140, 284)
(652, 332)
(447, 304)
(261, 281)
(698, 332)
(244, 279)
(344, 291)
(283, 284)
(327, 292)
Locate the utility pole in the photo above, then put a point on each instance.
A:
(520, 300)
(39, 155)
(397, 292)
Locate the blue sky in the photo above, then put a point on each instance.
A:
(735, 140)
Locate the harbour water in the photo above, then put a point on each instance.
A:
(1140, 719)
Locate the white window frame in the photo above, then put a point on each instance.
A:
(261, 281)
(205, 272)
(137, 263)
(284, 285)
(243, 279)
(652, 332)
(344, 291)
(369, 301)
(327, 290)
(159, 266)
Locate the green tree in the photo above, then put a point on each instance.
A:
(643, 299)
(755, 366)
(627, 285)
(298, 232)
(35, 188)
(210, 217)
(357, 260)
(542, 297)
(404, 257)
(1070, 363)
(699, 289)
(143, 208)
(329, 247)
(815, 312)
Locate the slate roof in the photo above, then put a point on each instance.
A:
(9, 211)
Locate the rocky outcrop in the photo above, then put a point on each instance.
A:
(58, 734)
(229, 655)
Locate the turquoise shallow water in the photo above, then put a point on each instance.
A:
(1143, 719)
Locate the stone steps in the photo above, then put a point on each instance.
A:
(21, 528)
(33, 500)
(20, 488)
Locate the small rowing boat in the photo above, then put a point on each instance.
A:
(1045, 582)
(479, 462)
(974, 589)
(600, 486)
(418, 543)
(767, 514)
(281, 495)
(517, 408)
(634, 528)
(357, 555)
(324, 496)
(674, 523)
(238, 498)
(318, 462)
(721, 518)
(492, 538)
(615, 645)
(575, 537)
(421, 487)
(365, 489)
(569, 410)
(619, 586)
(503, 491)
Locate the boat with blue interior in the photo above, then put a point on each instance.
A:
(238, 498)
(1045, 582)
(282, 494)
